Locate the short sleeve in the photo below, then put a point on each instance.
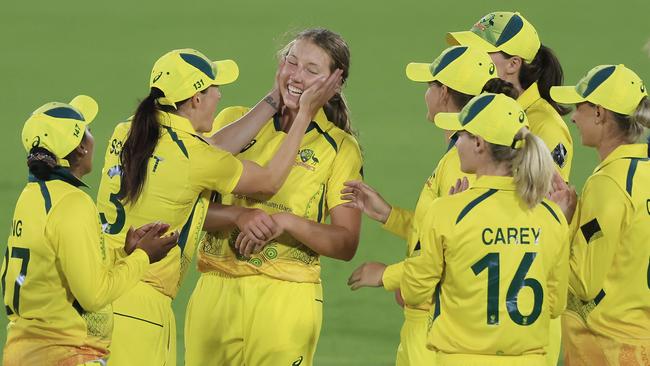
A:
(215, 169)
(347, 166)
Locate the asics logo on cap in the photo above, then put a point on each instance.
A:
(492, 69)
(522, 116)
(642, 88)
(156, 77)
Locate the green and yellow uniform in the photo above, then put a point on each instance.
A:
(548, 125)
(181, 173)
(236, 329)
(609, 281)
(608, 313)
(58, 277)
(487, 247)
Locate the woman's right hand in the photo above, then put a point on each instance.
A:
(363, 197)
(150, 238)
(315, 97)
(257, 225)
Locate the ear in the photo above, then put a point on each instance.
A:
(599, 114)
(444, 94)
(196, 100)
(480, 145)
(514, 65)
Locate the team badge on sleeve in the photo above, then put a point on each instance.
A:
(559, 155)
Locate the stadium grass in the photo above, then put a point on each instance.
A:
(56, 50)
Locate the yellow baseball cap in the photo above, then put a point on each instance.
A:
(501, 31)
(59, 127)
(182, 73)
(461, 68)
(496, 118)
(614, 87)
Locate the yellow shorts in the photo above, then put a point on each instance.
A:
(584, 347)
(554, 342)
(253, 320)
(447, 359)
(412, 349)
(145, 329)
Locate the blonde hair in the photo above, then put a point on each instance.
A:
(634, 125)
(531, 166)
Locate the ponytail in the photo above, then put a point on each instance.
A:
(531, 165)
(337, 111)
(546, 70)
(139, 146)
(533, 169)
(633, 126)
(41, 162)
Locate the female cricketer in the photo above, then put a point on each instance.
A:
(454, 77)
(159, 166)
(58, 278)
(607, 321)
(264, 307)
(496, 262)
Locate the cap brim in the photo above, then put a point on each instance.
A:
(448, 121)
(566, 95)
(419, 72)
(227, 72)
(470, 39)
(87, 106)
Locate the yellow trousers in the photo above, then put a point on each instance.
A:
(252, 321)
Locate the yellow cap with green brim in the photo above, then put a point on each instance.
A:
(180, 74)
(501, 31)
(496, 118)
(461, 68)
(614, 87)
(59, 127)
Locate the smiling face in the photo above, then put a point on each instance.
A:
(585, 119)
(304, 64)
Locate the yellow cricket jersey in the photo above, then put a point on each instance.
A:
(182, 172)
(328, 157)
(58, 278)
(610, 256)
(501, 270)
(406, 223)
(549, 126)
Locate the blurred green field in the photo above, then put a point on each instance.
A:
(56, 50)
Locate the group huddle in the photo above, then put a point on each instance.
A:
(504, 262)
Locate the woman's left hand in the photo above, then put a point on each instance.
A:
(564, 196)
(369, 274)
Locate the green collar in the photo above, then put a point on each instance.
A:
(625, 152)
(61, 173)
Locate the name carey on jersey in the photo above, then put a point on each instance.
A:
(511, 235)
